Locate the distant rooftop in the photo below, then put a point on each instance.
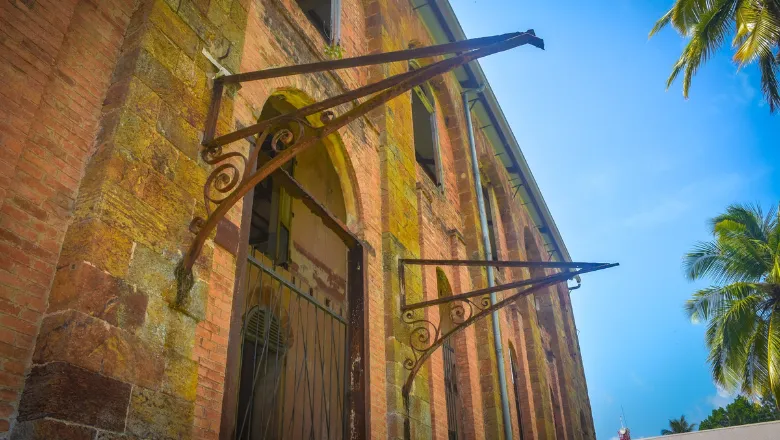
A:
(756, 431)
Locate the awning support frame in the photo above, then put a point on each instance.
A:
(234, 174)
(466, 308)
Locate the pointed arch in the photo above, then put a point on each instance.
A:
(337, 152)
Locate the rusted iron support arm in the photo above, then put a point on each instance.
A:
(295, 190)
(380, 58)
(425, 336)
(500, 288)
(208, 141)
(499, 263)
(232, 182)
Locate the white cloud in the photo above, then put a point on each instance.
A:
(721, 397)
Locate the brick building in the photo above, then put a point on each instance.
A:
(104, 105)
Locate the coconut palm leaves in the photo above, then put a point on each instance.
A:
(678, 426)
(754, 26)
(742, 309)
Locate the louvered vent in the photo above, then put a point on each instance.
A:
(264, 328)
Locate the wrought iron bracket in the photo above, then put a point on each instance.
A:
(234, 174)
(465, 309)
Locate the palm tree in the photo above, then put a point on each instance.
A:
(678, 426)
(742, 309)
(754, 24)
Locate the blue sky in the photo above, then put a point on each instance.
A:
(631, 174)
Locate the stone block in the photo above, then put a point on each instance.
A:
(180, 377)
(179, 132)
(91, 343)
(96, 242)
(168, 327)
(152, 271)
(46, 429)
(141, 100)
(133, 133)
(166, 19)
(158, 416)
(83, 287)
(105, 435)
(63, 391)
(170, 88)
(198, 22)
(160, 47)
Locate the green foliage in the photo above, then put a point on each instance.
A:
(742, 309)
(334, 51)
(753, 24)
(741, 412)
(678, 426)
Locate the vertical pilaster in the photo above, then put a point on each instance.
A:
(114, 333)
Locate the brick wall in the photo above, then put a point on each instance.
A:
(57, 59)
(100, 175)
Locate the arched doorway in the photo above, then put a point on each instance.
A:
(294, 364)
(451, 384)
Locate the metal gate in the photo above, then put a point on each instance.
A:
(294, 352)
(454, 410)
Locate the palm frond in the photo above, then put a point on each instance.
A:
(773, 352)
(742, 309)
(711, 24)
(748, 219)
(763, 33)
(769, 82)
(687, 13)
(661, 23)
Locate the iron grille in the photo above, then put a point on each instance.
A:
(451, 391)
(293, 375)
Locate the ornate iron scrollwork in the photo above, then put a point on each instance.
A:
(229, 181)
(466, 308)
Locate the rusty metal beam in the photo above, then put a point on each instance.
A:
(360, 92)
(499, 288)
(357, 399)
(500, 263)
(373, 59)
(232, 183)
(296, 190)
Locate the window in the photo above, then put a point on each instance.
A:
(426, 140)
(325, 15)
(491, 223)
(451, 393)
(271, 216)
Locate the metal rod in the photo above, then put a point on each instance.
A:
(368, 60)
(491, 280)
(520, 39)
(500, 263)
(500, 288)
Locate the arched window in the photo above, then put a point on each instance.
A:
(426, 138)
(452, 394)
(487, 198)
(271, 209)
(513, 366)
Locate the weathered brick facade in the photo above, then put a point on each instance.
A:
(102, 108)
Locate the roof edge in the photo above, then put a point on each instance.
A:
(452, 27)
